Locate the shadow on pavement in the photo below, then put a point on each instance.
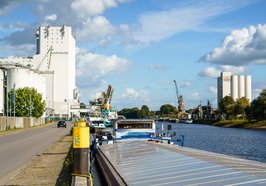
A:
(65, 177)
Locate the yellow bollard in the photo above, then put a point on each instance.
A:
(81, 137)
(81, 144)
(81, 123)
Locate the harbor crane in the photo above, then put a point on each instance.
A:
(180, 103)
(107, 97)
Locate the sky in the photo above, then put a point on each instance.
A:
(140, 47)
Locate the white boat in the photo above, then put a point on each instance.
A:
(188, 121)
(134, 128)
(97, 122)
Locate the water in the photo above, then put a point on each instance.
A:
(243, 143)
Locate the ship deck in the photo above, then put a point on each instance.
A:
(149, 163)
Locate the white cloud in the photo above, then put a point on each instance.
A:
(24, 50)
(92, 68)
(15, 26)
(140, 96)
(156, 26)
(195, 96)
(51, 17)
(89, 24)
(214, 72)
(85, 18)
(210, 72)
(96, 28)
(126, 34)
(241, 47)
(185, 84)
(233, 69)
(90, 8)
(131, 93)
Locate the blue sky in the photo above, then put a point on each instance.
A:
(140, 47)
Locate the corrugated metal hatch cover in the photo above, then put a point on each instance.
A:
(146, 163)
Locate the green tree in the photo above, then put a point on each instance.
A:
(227, 106)
(28, 102)
(240, 107)
(168, 109)
(130, 113)
(145, 111)
(258, 107)
(82, 105)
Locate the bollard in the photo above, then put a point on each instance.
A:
(81, 144)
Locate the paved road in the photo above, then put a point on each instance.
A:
(19, 148)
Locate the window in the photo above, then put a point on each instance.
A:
(134, 126)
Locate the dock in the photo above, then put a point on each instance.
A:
(149, 163)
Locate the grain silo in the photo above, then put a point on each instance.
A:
(21, 77)
(234, 86)
(248, 87)
(241, 86)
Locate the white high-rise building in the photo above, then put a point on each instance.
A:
(223, 85)
(237, 86)
(56, 60)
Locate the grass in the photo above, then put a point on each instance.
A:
(241, 124)
(65, 176)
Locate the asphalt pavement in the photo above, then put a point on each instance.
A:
(17, 149)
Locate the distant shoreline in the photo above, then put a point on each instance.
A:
(245, 124)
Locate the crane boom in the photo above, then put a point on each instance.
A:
(176, 91)
(49, 51)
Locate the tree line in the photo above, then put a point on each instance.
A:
(241, 108)
(25, 102)
(166, 110)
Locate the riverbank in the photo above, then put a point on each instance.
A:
(241, 124)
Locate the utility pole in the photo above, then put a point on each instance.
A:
(30, 103)
(6, 94)
(14, 98)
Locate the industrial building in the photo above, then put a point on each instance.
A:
(237, 86)
(51, 71)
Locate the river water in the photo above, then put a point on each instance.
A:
(243, 143)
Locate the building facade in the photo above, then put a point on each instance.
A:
(52, 70)
(56, 55)
(237, 86)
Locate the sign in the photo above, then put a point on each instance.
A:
(226, 78)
